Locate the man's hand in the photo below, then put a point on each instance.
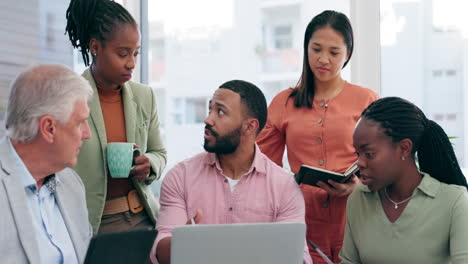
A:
(163, 251)
(196, 218)
(339, 189)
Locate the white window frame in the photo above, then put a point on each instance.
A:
(365, 18)
(139, 11)
(365, 63)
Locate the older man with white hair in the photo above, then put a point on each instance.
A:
(44, 216)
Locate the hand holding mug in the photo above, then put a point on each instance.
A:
(142, 167)
(120, 158)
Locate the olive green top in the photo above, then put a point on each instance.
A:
(433, 228)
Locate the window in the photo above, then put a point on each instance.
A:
(189, 51)
(193, 50)
(437, 73)
(177, 113)
(189, 110)
(423, 48)
(35, 34)
(282, 37)
(196, 110)
(451, 72)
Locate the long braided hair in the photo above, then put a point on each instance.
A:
(402, 119)
(87, 19)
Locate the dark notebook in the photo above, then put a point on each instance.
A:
(311, 175)
(121, 247)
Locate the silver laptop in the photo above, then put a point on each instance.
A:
(261, 243)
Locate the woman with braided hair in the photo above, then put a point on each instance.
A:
(402, 213)
(121, 111)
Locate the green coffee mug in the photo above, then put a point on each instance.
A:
(120, 158)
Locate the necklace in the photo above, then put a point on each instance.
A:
(335, 93)
(396, 203)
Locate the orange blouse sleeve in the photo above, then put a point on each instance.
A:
(271, 139)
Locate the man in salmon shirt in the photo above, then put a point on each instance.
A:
(233, 181)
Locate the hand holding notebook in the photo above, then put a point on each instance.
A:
(311, 175)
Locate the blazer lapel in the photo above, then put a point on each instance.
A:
(18, 204)
(130, 110)
(97, 120)
(67, 211)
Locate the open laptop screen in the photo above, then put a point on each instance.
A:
(269, 243)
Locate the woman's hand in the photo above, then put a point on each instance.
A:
(339, 189)
(142, 167)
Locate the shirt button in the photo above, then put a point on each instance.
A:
(230, 208)
(319, 121)
(319, 140)
(321, 162)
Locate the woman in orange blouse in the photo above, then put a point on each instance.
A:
(315, 120)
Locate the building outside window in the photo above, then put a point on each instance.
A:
(424, 45)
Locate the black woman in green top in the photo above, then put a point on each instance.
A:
(402, 213)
